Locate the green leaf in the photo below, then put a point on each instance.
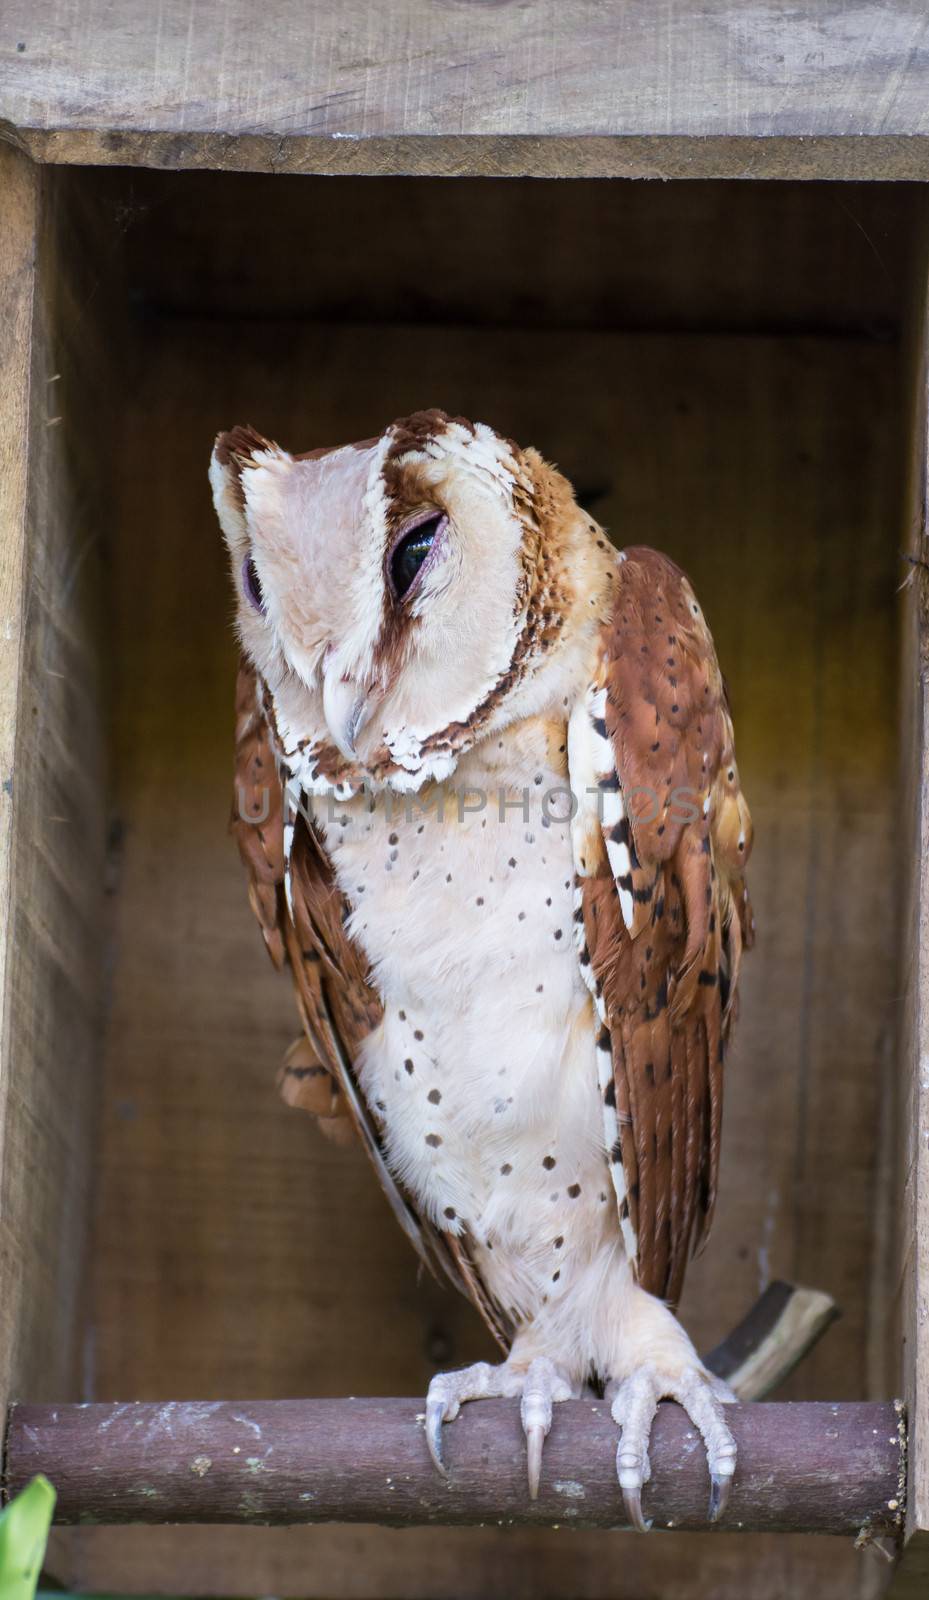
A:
(24, 1529)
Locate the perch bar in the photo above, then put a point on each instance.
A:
(803, 1467)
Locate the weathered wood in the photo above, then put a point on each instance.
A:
(50, 767)
(814, 1468)
(18, 227)
(53, 775)
(754, 258)
(646, 88)
(911, 1211)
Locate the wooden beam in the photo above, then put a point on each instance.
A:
(811, 1468)
(646, 88)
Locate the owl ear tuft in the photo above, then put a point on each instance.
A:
(233, 452)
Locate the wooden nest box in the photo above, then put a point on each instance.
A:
(685, 252)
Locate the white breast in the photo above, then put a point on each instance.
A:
(483, 1070)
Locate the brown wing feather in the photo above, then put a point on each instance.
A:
(668, 980)
(338, 1005)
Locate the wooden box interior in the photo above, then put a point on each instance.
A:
(724, 371)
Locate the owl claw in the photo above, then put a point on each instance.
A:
(634, 1402)
(538, 1388)
(535, 1439)
(719, 1494)
(435, 1416)
(632, 1500)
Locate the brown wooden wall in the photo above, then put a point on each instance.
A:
(721, 374)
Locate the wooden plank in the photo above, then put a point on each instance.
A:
(237, 1252)
(815, 1468)
(366, 1563)
(18, 226)
(642, 88)
(911, 1189)
(762, 259)
(52, 869)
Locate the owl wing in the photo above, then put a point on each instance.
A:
(338, 1003)
(661, 836)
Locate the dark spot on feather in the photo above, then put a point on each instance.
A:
(434, 1096)
(450, 1213)
(609, 1094)
(661, 1001)
(610, 784)
(573, 1190)
(548, 1162)
(559, 1241)
(599, 726)
(512, 861)
(624, 1210)
(433, 1140)
(557, 933)
(506, 1169)
(556, 1276)
(604, 1042)
(650, 1072)
(409, 1066)
(616, 1154)
(392, 839)
(417, 1033)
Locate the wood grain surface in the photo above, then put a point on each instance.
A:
(53, 720)
(815, 1468)
(643, 88)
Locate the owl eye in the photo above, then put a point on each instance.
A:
(410, 553)
(251, 583)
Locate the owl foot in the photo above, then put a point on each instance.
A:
(538, 1387)
(633, 1403)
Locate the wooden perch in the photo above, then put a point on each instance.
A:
(816, 1468)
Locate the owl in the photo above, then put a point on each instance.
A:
(491, 819)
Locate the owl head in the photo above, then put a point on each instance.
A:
(402, 597)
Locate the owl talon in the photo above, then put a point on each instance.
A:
(535, 1439)
(719, 1494)
(634, 1403)
(538, 1388)
(632, 1500)
(435, 1416)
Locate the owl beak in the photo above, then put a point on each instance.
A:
(346, 707)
